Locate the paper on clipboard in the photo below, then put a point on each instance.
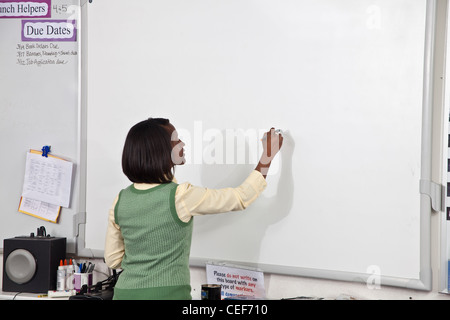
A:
(38, 209)
(47, 179)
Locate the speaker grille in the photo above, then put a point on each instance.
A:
(20, 266)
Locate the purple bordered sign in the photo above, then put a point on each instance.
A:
(49, 30)
(25, 9)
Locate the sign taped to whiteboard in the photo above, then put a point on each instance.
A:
(236, 281)
(49, 30)
(25, 9)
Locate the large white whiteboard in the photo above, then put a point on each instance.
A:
(344, 79)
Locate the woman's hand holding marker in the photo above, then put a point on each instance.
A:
(272, 142)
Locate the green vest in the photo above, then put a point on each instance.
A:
(157, 245)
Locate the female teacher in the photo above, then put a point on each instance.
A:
(150, 223)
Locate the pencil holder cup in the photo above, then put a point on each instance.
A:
(81, 279)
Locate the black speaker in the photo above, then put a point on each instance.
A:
(30, 263)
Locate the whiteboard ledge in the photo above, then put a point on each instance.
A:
(424, 283)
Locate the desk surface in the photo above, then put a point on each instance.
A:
(27, 296)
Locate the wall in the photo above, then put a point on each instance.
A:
(280, 286)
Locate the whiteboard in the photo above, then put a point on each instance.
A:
(344, 80)
(39, 105)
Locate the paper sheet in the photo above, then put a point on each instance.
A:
(39, 209)
(47, 179)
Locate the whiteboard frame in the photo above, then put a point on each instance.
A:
(425, 279)
(444, 224)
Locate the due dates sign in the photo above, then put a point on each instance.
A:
(49, 30)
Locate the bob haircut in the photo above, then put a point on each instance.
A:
(146, 156)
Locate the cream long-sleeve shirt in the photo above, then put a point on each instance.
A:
(189, 201)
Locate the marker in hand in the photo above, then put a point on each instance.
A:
(277, 131)
(272, 142)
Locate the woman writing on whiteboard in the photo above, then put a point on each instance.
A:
(150, 223)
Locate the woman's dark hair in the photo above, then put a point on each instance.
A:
(146, 156)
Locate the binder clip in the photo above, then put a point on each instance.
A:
(45, 151)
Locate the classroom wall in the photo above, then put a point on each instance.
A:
(282, 286)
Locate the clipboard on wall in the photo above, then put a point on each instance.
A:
(42, 202)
